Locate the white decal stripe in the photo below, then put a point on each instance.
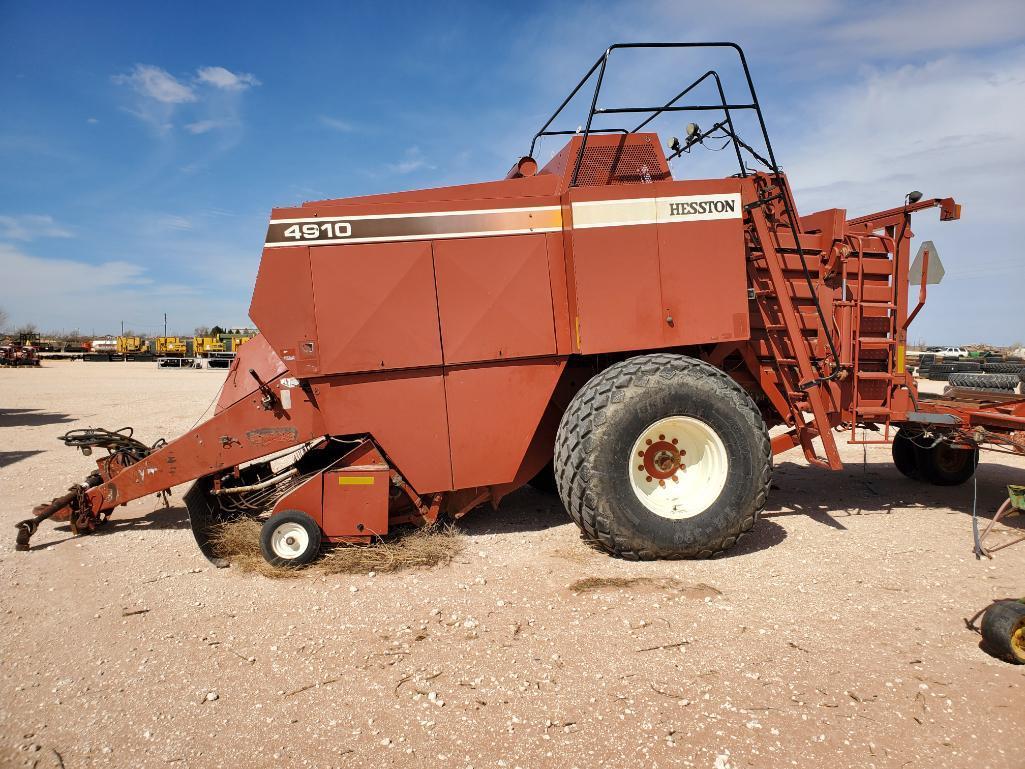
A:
(396, 238)
(420, 215)
(668, 210)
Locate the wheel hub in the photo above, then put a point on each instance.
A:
(678, 467)
(661, 459)
(289, 541)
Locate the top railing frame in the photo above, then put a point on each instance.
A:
(671, 106)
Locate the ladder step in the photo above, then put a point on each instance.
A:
(876, 342)
(872, 410)
(878, 305)
(874, 375)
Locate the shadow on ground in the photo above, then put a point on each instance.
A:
(8, 458)
(529, 510)
(174, 517)
(31, 418)
(868, 488)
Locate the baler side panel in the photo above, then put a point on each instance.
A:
(617, 289)
(403, 410)
(282, 308)
(704, 281)
(376, 306)
(495, 298)
(494, 410)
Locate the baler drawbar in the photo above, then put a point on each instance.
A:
(596, 320)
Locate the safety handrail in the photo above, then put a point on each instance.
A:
(600, 66)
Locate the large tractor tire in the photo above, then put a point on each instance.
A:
(1003, 631)
(663, 456)
(1003, 368)
(945, 465)
(984, 381)
(905, 456)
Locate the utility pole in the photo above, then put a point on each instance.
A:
(165, 324)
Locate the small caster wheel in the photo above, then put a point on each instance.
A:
(290, 538)
(1003, 631)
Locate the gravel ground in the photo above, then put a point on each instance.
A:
(832, 635)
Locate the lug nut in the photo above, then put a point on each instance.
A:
(662, 484)
(675, 441)
(661, 437)
(647, 478)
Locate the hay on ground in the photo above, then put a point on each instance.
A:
(409, 548)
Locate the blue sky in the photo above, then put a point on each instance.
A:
(143, 144)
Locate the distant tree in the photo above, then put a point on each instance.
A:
(216, 330)
(3, 319)
(201, 331)
(28, 328)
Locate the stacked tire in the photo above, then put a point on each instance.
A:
(986, 382)
(940, 372)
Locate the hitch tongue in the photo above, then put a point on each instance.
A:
(28, 527)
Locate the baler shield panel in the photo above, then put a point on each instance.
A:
(495, 298)
(376, 307)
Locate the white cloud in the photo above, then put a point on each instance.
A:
(210, 101)
(954, 124)
(204, 126)
(70, 294)
(414, 161)
(219, 77)
(30, 227)
(939, 26)
(336, 124)
(157, 84)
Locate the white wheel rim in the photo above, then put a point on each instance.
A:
(289, 541)
(678, 467)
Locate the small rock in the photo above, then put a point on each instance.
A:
(211, 696)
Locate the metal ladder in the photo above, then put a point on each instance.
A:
(860, 342)
(783, 329)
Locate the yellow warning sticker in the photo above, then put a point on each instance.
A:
(900, 359)
(355, 480)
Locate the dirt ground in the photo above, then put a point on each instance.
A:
(832, 635)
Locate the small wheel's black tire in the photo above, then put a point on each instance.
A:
(1003, 631)
(607, 422)
(544, 481)
(905, 457)
(290, 539)
(945, 465)
(985, 381)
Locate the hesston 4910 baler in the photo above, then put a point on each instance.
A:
(422, 353)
